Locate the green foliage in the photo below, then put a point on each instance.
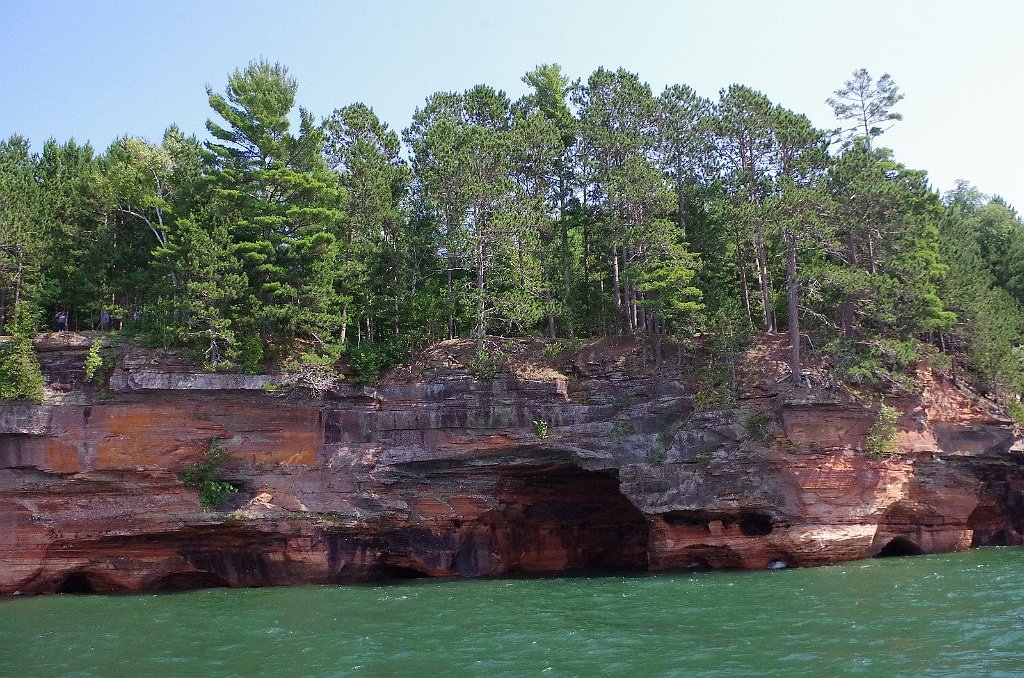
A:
(593, 208)
(867, 104)
(203, 476)
(666, 435)
(557, 349)
(703, 458)
(20, 374)
(758, 426)
(1016, 409)
(486, 364)
(881, 365)
(714, 390)
(658, 454)
(540, 427)
(982, 287)
(898, 355)
(621, 429)
(93, 360)
(717, 398)
(21, 377)
(371, 360)
(624, 400)
(275, 271)
(247, 352)
(881, 437)
(940, 362)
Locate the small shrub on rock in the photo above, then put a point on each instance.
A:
(881, 439)
(757, 427)
(202, 476)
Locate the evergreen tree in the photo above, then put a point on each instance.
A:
(867, 104)
(22, 242)
(684, 141)
(377, 267)
(77, 238)
(990, 323)
(886, 247)
(746, 152)
(282, 206)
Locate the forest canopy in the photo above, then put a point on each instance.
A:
(586, 207)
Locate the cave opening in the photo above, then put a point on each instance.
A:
(76, 582)
(988, 526)
(699, 557)
(697, 564)
(689, 518)
(235, 566)
(566, 519)
(900, 546)
(390, 572)
(755, 524)
(185, 581)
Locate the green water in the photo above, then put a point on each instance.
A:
(960, 614)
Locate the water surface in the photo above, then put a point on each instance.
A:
(952, 615)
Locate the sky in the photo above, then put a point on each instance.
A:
(103, 69)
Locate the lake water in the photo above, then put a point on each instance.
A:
(951, 615)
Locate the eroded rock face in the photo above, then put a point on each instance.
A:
(449, 476)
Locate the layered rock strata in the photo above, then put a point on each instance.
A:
(444, 475)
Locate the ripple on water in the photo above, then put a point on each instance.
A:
(937, 615)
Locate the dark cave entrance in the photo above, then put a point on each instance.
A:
(389, 572)
(900, 546)
(566, 519)
(701, 557)
(76, 582)
(755, 524)
(185, 581)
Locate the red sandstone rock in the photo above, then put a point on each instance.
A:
(442, 475)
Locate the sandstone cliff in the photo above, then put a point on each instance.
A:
(436, 473)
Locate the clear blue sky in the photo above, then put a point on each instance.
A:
(97, 70)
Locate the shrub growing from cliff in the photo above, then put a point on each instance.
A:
(486, 365)
(881, 438)
(758, 427)
(93, 361)
(202, 476)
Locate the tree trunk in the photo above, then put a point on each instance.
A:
(451, 299)
(794, 306)
(614, 277)
(480, 314)
(871, 254)
(551, 315)
(741, 266)
(344, 323)
(680, 205)
(767, 317)
(566, 268)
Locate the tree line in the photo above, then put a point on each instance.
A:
(588, 207)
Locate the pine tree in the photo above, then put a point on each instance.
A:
(282, 206)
